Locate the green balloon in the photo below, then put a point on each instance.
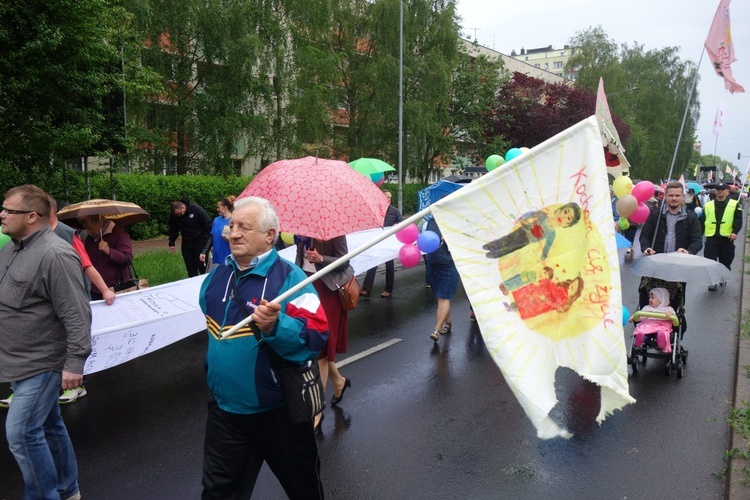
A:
(493, 161)
(624, 224)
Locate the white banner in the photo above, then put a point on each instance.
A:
(382, 252)
(143, 321)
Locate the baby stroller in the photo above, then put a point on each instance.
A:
(677, 358)
(672, 271)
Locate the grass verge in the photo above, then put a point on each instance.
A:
(160, 267)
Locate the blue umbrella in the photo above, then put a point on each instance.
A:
(694, 186)
(622, 241)
(434, 192)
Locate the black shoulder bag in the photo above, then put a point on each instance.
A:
(303, 390)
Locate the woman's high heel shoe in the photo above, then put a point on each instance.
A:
(336, 400)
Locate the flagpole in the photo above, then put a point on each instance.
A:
(684, 116)
(336, 264)
(659, 206)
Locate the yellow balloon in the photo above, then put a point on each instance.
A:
(525, 149)
(287, 238)
(622, 186)
(627, 205)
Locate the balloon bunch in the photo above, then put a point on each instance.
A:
(494, 161)
(409, 254)
(631, 202)
(378, 178)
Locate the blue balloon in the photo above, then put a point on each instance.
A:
(625, 315)
(512, 153)
(376, 177)
(428, 241)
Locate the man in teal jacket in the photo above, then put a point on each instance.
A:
(248, 422)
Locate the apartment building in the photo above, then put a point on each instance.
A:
(547, 59)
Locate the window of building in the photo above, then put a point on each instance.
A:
(562, 53)
(557, 65)
(526, 58)
(536, 65)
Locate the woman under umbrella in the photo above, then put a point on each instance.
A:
(312, 256)
(109, 248)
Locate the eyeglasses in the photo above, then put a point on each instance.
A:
(15, 212)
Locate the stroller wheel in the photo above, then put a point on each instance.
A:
(679, 370)
(684, 356)
(634, 364)
(643, 360)
(667, 368)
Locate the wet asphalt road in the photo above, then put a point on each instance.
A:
(428, 421)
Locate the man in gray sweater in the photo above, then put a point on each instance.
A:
(45, 338)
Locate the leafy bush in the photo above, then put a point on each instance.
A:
(154, 192)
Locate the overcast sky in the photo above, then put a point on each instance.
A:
(504, 26)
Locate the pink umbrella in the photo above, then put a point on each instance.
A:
(319, 198)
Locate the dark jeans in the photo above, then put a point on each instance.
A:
(237, 445)
(191, 255)
(718, 247)
(370, 278)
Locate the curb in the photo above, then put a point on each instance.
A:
(735, 488)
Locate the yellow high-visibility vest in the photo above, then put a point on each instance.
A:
(727, 220)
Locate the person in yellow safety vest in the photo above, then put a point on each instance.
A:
(723, 220)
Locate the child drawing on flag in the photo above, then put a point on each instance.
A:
(533, 227)
(545, 295)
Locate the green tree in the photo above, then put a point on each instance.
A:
(218, 96)
(654, 112)
(430, 55)
(60, 73)
(474, 86)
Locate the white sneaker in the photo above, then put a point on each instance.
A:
(71, 395)
(5, 403)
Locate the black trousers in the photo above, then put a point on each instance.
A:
(236, 446)
(370, 277)
(191, 254)
(721, 249)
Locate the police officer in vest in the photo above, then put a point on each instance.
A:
(723, 220)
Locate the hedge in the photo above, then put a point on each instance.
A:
(154, 192)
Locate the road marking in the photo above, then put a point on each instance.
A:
(366, 353)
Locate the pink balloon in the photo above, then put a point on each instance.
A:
(380, 182)
(641, 214)
(643, 191)
(408, 234)
(409, 255)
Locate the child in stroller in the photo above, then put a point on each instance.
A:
(660, 326)
(663, 340)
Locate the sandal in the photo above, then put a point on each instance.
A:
(446, 328)
(435, 335)
(364, 293)
(385, 295)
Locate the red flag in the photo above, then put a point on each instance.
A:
(720, 47)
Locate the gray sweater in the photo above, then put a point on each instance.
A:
(46, 317)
